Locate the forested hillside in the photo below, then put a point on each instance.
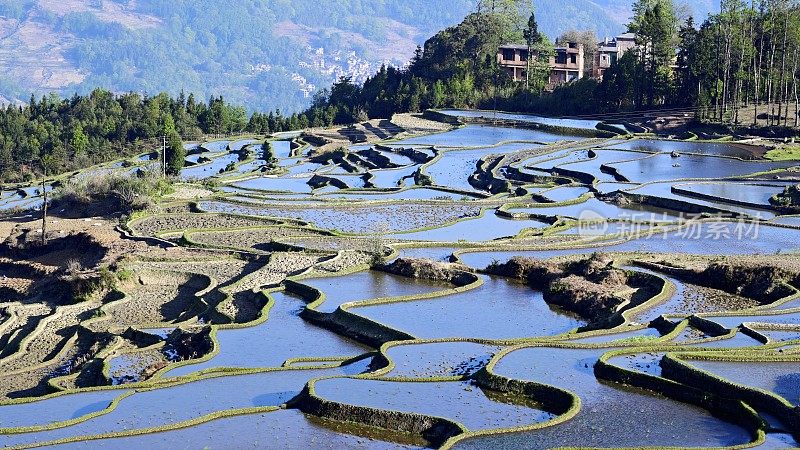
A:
(265, 54)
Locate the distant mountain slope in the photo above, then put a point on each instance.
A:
(265, 54)
(619, 11)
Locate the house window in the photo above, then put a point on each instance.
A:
(561, 58)
(508, 54)
(573, 59)
(523, 55)
(573, 45)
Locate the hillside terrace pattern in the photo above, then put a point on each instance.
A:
(314, 306)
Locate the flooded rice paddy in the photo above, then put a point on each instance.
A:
(610, 412)
(498, 309)
(459, 401)
(366, 286)
(307, 338)
(779, 378)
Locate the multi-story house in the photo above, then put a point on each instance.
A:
(513, 59)
(610, 51)
(566, 64)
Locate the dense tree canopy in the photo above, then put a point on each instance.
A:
(455, 68)
(83, 130)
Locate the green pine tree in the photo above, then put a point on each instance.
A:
(79, 142)
(176, 155)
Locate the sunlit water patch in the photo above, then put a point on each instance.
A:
(161, 407)
(276, 184)
(367, 286)
(570, 123)
(432, 253)
(594, 165)
(663, 190)
(481, 136)
(442, 359)
(405, 194)
(565, 193)
(460, 401)
(283, 336)
(618, 416)
(58, 409)
(706, 148)
(499, 309)
(212, 146)
(455, 167)
(780, 378)
(597, 209)
(486, 228)
(757, 194)
(278, 429)
(211, 169)
(392, 178)
(710, 238)
(664, 167)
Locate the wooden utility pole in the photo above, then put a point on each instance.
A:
(794, 87)
(782, 80)
(758, 63)
(164, 156)
(770, 71)
(44, 205)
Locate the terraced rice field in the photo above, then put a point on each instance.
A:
(429, 291)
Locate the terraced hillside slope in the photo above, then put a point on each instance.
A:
(447, 283)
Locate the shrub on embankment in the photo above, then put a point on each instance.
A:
(109, 194)
(591, 300)
(189, 345)
(789, 198)
(430, 270)
(589, 287)
(763, 283)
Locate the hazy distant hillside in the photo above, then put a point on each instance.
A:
(263, 53)
(619, 10)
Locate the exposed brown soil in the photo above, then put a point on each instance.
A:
(153, 225)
